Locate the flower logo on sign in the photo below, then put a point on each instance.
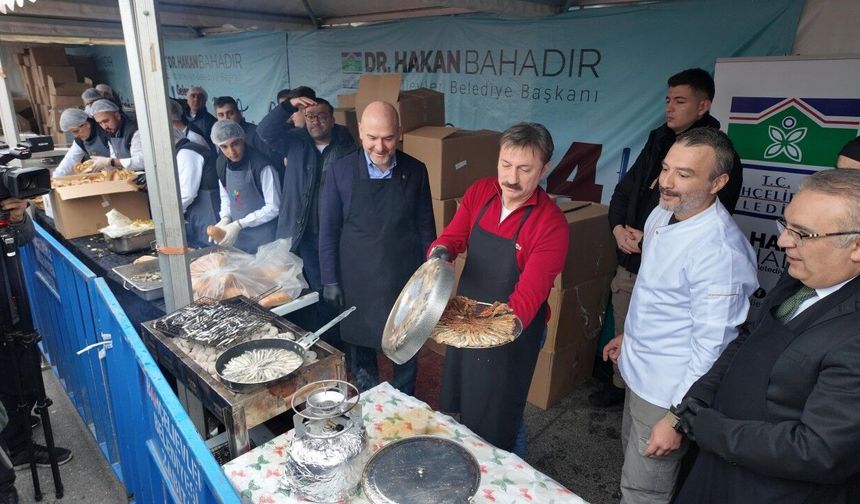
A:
(785, 140)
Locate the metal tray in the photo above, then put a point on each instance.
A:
(417, 310)
(131, 243)
(155, 289)
(422, 469)
(518, 330)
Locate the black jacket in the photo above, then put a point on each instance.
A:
(203, 121)
(807, 448)
(637, 194)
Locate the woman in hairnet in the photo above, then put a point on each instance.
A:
(250, 198)
(90, 140)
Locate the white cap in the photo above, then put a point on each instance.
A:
(104, 105)
(226, 130)
(90, 95)
(72, 118)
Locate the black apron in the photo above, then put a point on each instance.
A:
(743, 395)
(379, 250)
(488, 387)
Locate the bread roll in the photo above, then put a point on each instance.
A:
(275, 299)
(143, 259)
(216, 233)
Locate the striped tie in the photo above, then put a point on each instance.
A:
(788, 307)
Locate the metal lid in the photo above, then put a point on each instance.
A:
(417, 310)
(421, 469)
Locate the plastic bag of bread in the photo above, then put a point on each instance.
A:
(276, 264)
(229, 273)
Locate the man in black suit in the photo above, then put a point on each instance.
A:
(777, 418)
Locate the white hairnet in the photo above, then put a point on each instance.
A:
(104, 88)
(72, 118)
(104, 105)
(90, 95)
(175, 110)
(226, 130)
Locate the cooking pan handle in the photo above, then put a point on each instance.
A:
(310, 340)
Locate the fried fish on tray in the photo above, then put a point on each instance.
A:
(469, 324)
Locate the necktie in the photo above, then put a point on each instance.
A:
(789, 306)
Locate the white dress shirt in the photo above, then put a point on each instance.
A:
(819, 295)
(691, 293)
(67, 166)
(189, 168)
(135, 162)
(267, 212)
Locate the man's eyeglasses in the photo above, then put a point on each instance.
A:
(317, 117)
(799, 236)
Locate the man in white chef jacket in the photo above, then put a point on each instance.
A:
(698, 271)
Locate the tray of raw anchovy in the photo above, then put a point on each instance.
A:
(204, 329)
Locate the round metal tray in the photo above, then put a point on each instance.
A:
(419, 470)
(417, 310)
(518, 330)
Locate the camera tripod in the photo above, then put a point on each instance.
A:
(18, 339)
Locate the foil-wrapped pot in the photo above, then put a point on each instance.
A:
(327, 456)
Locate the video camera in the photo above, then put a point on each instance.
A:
(22, 183)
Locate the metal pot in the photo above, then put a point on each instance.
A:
(327, 455)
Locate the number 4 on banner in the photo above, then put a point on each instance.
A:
(575, 175)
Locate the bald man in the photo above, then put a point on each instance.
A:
(376, 221)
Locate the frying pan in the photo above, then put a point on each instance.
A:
(299, 347)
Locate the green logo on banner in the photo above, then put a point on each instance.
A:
(350, 62)
(790, 136)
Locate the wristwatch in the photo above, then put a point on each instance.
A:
(674, 421)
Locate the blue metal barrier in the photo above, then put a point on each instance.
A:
(117, 388)
(58, 288)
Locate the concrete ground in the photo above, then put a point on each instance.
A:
(578, 445)
(574, 443)
(87, 477)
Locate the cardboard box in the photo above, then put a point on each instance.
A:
(556, 374)
(577, 313)
(455, 158)
(60, 102)
(80, 210)
(591, 253)
(347, 117)
(346, 100)
(443, 212)
(60, 74)
(417, 107)
(48, 55)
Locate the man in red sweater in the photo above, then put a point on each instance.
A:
(517, 243)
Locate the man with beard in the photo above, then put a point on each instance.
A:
(90, 140)
(777, 418)
(122, 136)
(698, 271)
(688, 105)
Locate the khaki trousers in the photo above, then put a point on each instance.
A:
(645, 480)
(622, 291)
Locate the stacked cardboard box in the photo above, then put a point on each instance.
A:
(577, 302)
(455, 159)
(417, 107)
(52, 85)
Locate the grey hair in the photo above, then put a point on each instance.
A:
(528, 135)
(844, 184)
(724, 150)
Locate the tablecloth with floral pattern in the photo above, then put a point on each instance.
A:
(505, 478)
